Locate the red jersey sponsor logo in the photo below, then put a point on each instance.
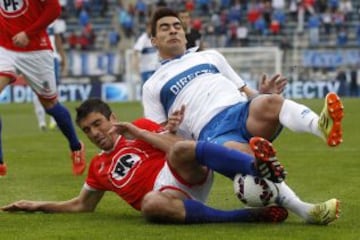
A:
(13, 8)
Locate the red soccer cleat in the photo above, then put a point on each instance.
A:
(3, 169)
(266, 162)
(330, 119)
(78, 160)
(272, 214)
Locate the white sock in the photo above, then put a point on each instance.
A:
(289, 200)
(299, 118)
(39, 111)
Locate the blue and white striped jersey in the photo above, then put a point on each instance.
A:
(202, 81)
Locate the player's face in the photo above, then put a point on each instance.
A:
(170, 37)
(96, 127)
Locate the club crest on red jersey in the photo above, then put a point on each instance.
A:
(13, 8)
(123, 168)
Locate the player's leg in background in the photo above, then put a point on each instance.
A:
(4, 81)
(40, 113)
(39, 109)
(7, 76)
(63, 119)
(41, 78)
(52, 122)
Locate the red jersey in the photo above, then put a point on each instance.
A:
(130, 169)
(31, 16)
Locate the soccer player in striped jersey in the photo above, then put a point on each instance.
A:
(168, 179)
(146, 58)
(25, 47)
(220, 107)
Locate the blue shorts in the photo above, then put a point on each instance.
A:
(229, 125)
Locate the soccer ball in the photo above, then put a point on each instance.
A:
(255, 191)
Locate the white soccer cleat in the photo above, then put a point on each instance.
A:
(324, 213)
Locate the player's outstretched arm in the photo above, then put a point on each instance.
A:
(163, 140)
(85, 202)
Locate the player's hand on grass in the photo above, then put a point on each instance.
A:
(175, 120)
(23, 205)
(275, 85)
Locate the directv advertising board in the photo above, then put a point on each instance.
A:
(111, 92)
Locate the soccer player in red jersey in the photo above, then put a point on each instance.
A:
(165, 178)
(25, 48)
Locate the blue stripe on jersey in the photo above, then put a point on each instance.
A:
(148, 50)
(174, 86)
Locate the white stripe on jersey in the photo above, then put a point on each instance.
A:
(202, 81)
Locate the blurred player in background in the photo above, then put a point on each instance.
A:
(193, 35)
(169, 180)
(221, 107)
(55, 32)
(146, 58)
(25, 47)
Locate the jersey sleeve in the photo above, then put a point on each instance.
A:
(91, 179)
(224, 67)
(149, 125)
(52, 10)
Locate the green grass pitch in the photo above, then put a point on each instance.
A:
(40, 169)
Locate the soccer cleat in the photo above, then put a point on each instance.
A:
(273, 214)
(325, 213)
(266, 162)
(3, 169)
(330, 119)
(52, 125)
(78, 160)
(43, 128)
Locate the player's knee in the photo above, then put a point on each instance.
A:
(183, 150)
(270, 105)
(152, 206)
(151, 203)
(274, 100)
(48, 103)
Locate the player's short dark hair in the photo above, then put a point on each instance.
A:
(92, 105)
(160, 13)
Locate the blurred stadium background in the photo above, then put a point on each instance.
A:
(313, 42)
